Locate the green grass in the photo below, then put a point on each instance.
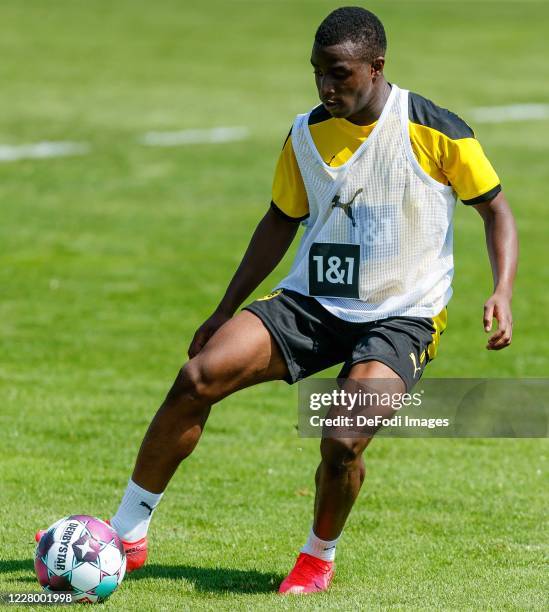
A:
(108, 263)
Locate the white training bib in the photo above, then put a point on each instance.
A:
(379, 238)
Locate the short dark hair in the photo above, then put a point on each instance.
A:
(357, 25)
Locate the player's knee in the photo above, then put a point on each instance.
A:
(342, 455)
(194, 385)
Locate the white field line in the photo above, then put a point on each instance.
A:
(184, 137)
(513, 112)
(40, 150)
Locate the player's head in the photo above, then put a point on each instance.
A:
(348, 57)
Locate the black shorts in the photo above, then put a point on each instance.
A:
(312, 339)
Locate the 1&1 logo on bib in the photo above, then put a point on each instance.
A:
(333, 269)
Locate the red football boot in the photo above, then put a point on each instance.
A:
(310, 575)
(136, 552)
(38, 535)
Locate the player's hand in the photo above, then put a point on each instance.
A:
(498, 307)
(206, 331)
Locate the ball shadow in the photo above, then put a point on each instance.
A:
(9, 566)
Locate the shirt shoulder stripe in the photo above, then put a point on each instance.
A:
(319, 114)
(425, 112)
(287, 137)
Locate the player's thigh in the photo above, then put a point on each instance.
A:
(241, 353)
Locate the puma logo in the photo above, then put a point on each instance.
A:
(149, 508)
(416, 368)
(346, 206)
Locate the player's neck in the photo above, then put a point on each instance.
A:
(372, 111)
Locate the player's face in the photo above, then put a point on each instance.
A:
(343, 79)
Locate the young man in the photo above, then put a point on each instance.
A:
(374, 171)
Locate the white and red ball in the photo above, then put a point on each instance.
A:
(82, 555)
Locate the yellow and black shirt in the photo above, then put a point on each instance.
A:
(444, 145)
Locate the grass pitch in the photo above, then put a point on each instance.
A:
(109, 262)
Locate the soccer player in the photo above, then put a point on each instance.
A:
(373, 172)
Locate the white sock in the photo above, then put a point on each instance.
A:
(323, 549)
(134, 514)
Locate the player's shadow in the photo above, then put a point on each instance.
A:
(213, 579)
(205, 579)
(9, 566)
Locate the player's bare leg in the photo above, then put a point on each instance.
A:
(339, 478)
(241, 353)
(341, 472)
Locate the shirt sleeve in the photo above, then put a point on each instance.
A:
(468, 170)
(289, 197)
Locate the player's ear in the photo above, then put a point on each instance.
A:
(376, 67)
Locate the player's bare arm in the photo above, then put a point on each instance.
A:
(502, 245)
(270, 241)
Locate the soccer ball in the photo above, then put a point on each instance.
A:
(83, 555)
